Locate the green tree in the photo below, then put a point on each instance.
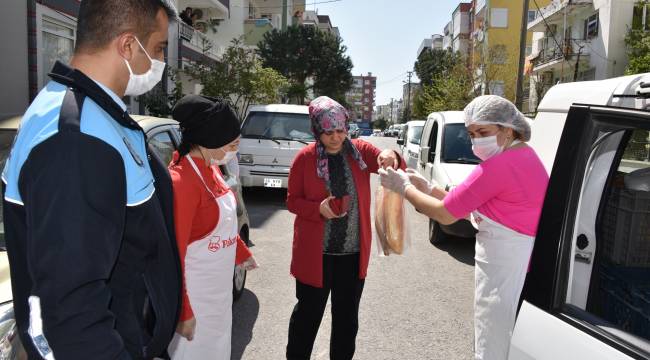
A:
(434, 62)
(302, 53)
(380, 124)
(240, 77)
(160, 103)
(637, 41)
(452, 91)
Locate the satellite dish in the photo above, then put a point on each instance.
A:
(480, 36)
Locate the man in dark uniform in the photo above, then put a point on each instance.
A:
(87, 208)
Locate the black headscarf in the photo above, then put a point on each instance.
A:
(206, 121)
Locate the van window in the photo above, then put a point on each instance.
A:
(619, 292)
(414, 134)
(457, 146)
(273, 125)
(433, 139)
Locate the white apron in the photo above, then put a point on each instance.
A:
(502, 258)
(209, 266)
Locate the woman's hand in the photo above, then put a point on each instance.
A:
(326, 211)
(420, 182)
(186, 328)
(388, 158)
(397, 181)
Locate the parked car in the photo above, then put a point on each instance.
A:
(446, 156)
(587, 293)
(272, 135)
(410, 142)
(353, 131)
(164, 136)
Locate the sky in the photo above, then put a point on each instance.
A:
(383, 36)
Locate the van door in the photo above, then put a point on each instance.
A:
(587, 295)
(428, 157)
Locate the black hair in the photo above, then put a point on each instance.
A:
(101, 21)
(184, 148)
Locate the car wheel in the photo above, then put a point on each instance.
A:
(238, 282)
(239, 278)
(436, 235)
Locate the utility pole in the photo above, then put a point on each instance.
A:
(519, 97)
(391, 111)
(284, 14)
(407, 117)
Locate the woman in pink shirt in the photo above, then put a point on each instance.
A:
(504, 195)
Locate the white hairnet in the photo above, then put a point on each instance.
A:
(495, 110)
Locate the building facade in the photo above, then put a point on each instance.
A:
(577, 41)
(460, 29)
(361, 98)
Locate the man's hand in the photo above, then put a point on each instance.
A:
(186, 328)
(388, 158)
(397, 181)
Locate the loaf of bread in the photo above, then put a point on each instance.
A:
(394, 220)
(389, 221)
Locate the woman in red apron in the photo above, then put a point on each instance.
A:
(205, 214)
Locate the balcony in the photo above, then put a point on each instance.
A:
(215, 8)
(195, 43)
(254, 29)
(551, 57)
(554, 13)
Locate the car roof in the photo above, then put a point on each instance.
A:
(149, 122)
(416, 123)
(450, 117)
(280, 108)
(10, 123)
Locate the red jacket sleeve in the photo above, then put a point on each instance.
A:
(186, 201)
(243, 252)
(370, 153)
(296, 201)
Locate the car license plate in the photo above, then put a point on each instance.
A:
(273, 183)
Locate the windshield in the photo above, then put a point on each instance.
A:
(280, 126)
(6, 140)
(457, 146)
(414, 134)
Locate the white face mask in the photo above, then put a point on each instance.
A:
(140, 84)
(229, 155)
(486, 147)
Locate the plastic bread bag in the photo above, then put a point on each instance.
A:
(390, 223)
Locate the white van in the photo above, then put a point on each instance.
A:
(271, 137)
(410, 142)
(446, 156)
(587, 295)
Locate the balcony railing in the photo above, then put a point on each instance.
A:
(567, 51)
(198, 41)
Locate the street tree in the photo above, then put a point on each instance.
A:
(239, 77)
(637, 41)
(447, 92)
(380, 123)
(311, 59)
(434, 62)
(159, 102)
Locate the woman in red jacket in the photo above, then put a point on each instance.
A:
(329, 191)
(205, 214)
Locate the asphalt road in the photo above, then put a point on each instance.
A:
(414, 306)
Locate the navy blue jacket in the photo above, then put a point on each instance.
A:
(89, 228)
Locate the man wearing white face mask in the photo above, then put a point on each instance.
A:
(205, 213)
(87, 207)
(504, 194)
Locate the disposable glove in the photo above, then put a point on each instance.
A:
(397, 181)
(420, 182)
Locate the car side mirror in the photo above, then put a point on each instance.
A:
(400, 141)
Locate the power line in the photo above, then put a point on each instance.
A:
(391, 80)
(279, 6)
